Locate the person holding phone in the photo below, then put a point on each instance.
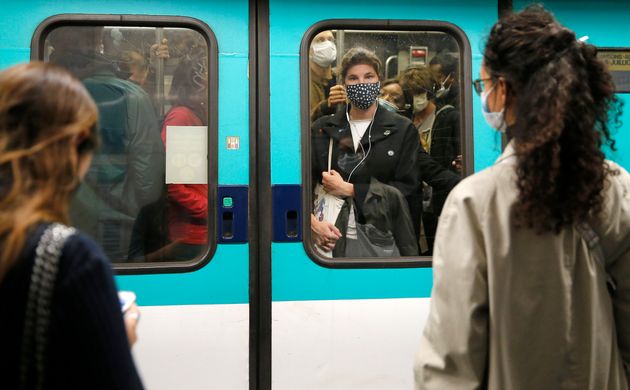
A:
(47, 138)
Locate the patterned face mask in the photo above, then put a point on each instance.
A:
(363, 95)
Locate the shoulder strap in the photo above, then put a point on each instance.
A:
(443, 108)
(330, 149)
(592, 241)
(36, 319)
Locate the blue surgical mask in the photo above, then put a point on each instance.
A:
(496, 120)
(363, 95)
(386, 104)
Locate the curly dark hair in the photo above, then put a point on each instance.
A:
(562, 96)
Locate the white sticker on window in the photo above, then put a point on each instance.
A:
(186, 154)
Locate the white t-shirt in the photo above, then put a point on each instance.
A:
(358, 127)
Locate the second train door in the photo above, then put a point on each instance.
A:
(350, 323)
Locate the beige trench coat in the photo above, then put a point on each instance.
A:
(512, 310)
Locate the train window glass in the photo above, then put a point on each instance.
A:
(385, 125)
(145, 198)
(618, 61)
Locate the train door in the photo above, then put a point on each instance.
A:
(604, 25)
(167, 196)
(354, 321)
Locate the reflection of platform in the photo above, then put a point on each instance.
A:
(186, 154)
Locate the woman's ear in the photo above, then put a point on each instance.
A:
(508, 102)
(502, 92)
(82, 159)
(85, 161)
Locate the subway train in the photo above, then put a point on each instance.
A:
(252, 303)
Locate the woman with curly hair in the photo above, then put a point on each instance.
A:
(523, 302)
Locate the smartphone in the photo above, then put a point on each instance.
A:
(126, 299)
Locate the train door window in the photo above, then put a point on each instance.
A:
(386, 128)
(618, 61)
(145, 198)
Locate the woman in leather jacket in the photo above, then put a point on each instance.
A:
(371, 147)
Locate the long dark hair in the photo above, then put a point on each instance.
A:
(562, 96)
(190, 82)
(44, 113)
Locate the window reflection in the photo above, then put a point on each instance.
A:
(145, 81)
(386, 140)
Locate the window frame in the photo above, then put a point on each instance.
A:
(466, 126)
(613, 49)
(155, 21)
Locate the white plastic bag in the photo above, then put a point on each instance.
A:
(326, 207)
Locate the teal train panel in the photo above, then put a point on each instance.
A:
(294, 275)
(225, 279)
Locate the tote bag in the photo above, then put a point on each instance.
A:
(326, 207)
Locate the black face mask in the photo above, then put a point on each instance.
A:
(363, 95)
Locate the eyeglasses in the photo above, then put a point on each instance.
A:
(478, 85)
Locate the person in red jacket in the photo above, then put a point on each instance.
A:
(188, 203)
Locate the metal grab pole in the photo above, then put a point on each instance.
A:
(159, 73)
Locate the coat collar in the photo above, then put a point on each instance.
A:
(508, 156)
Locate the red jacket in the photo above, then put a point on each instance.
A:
(188, 203)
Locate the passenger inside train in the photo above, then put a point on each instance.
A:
(374, 219)
(411, 93)
(324, 93)
(122, 203)
(391, 96)
(187, 208)
(439, 129)
(128, 169)
(446, 68)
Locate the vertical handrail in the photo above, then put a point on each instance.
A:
(387, 61)
(159, 73)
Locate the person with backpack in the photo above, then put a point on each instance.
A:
(438, 126)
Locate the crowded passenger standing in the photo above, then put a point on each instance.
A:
(438, 126)
(522, 302)
(324, 95)
(374, 155)
(61, 325)
(439, 130)
(128, 169)
(445, 67)
(391, 96)
(188, 203)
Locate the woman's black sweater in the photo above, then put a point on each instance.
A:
(87, 343)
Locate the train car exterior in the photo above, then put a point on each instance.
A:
(258, 307)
